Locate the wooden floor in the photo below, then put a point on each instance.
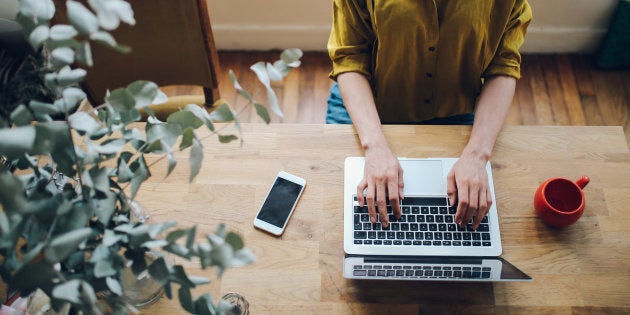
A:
(554, 90)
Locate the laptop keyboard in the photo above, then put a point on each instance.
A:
(416, 272)
(425, 221)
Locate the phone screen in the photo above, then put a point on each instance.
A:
(279, 203)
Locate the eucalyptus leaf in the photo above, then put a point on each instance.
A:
(234, 240)
(261, 72)
(185, 299)
(108, 40)
(81, 17)
(63, 245)
(273, 73)
(103, 268)
(68, 291)
(184, 119)
(144, 92)
(84, 53)
(38, 36)
(159, 271)
(17, 141)
(262, 112)
(222, 114)
(172, 162)
(114, 286)
(62, 32)
(140, 174)
(291, 57)
(195, 158)
(21, 116)
(84, 123)
(111, 146)
(201, 114)
(159, 228)
(42, 10)
(238, 86)
(72, 96)
(273, 101)
(63, 55)
(227, 138)
(68, 76)
(121, 99)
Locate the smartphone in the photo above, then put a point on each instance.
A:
(279, 203)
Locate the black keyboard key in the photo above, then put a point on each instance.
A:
(367, 242)
(409, 235)
(406, 242)
(400, 235)
(367, 226)
(485, 236)
(404, 226)
(360, 273)
(371, 273)
(406, 210)
(391, 235)
(387, 242)
(380, 235)
(486, 244)
(415, 210)
(397, 242)
(372, 235)
(443, 210)
(360, 235)
(358, 242)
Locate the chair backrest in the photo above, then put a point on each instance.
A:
(171, 44)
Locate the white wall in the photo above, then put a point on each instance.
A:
(558, 25)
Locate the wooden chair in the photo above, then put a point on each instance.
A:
(171, 44)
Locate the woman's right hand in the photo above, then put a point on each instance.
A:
(382, 182)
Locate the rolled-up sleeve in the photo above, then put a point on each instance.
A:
(507, 59)
(351, 39)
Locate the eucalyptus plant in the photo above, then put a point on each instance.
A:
(72, 239)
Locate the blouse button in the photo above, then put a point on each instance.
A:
(431, 48)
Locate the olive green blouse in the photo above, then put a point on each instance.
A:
(427, 58)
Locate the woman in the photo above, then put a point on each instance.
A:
(426, 62)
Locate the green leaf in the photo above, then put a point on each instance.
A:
(227, 138)
(124, 172)
(68, 291)
(144, 92)
(262, 112)
(38, 36)
(108, 40)
(110, 146)
(195, 159)
(172, 162)
(291, 57)
(37, 9)
(114, 286)
(105, 207)
(261, 72)
(31, 276)
(204, 305)
(201, 114)
(104, 268)
(234, 240)
(68, 76)
(243, 257)
(238, 86)
(55, 139)
(159, 271)
(185, 119)
(84, 123)
(15, 142)
(173, 236)
(44, 108)
(62, 32)
(71, 98)
(63, 55)
(187, 139)
(190, 237)
(81, 17)
(273, 101)
(165, 132)
(63, 245)
(21, 116)
(158, 228)
(222, 114)
(110, 238)
(185, 299)
(121, 99)
(84, 53)
(140, 174)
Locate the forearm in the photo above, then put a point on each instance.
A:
(359, 101)
(492, 109)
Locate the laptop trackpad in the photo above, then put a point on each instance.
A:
(423, 177)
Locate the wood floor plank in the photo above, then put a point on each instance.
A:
(554, 90)
(570, 91)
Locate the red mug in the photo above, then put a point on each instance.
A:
(560, 202)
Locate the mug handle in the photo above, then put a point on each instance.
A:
(583, 181)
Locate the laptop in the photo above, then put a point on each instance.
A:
(425, 243)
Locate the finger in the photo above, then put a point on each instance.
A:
(473, 203)
(360, 189)
(401, 184)
(451, 188)
(483, 209)
(370, 197)
(462, 204)
(394, 202)
(381, 201)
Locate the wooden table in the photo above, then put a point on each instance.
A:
(584, 268)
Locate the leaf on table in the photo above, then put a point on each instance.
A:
(63, 245)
